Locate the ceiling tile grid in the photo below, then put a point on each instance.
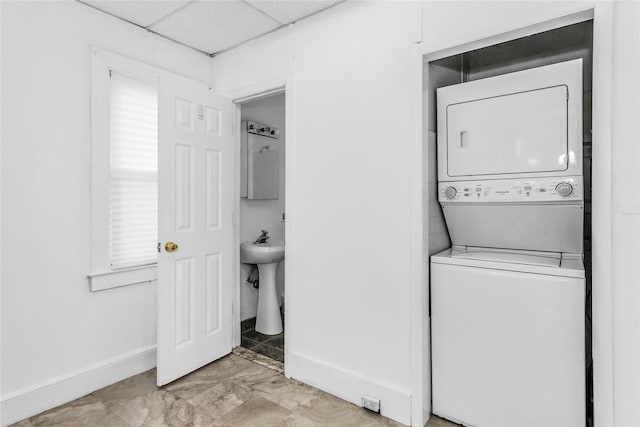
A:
(140, 12)
(211, 26)
(287, 11)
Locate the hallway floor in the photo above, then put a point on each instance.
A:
(230, 392)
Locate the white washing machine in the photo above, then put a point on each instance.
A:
(507, 337)
(507, 301)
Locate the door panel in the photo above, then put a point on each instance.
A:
(195, 205)
(213, 189)
(184, 182)
(213, 293)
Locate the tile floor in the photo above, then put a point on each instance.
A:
(268, 345)
(232, 392)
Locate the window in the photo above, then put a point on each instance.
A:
(133, 172)
(124, 172)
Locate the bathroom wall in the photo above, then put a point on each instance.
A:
(256, 215)
(60, 341)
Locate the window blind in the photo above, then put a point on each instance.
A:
(133, 172)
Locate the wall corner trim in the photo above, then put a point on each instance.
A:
(34, 399)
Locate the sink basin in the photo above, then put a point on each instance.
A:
(262, 253)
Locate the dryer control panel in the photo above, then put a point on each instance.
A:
(553, 189)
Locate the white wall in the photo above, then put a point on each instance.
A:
(626, 213)
(256, 215)
(350, 204)
(58, 338)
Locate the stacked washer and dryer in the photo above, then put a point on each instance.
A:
(507, 299)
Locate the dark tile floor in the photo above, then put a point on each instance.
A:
(271, 346)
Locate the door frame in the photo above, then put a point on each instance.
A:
(602, 308)
(283, 84)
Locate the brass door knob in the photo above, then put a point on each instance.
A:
(170, 247)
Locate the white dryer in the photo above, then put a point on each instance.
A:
(510, 159)
(526, 124)
(508, 337)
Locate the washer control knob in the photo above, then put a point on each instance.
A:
(564, 189)
(450, 192)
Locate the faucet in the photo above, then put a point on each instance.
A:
(264, 236)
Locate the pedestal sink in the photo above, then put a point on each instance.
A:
(266, 256)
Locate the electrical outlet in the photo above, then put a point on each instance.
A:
(371, 403)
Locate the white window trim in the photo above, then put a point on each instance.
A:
(101, 275)
(124, 277)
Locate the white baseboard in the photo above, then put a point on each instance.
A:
(395, 403)
(426, 416)
(32, 400)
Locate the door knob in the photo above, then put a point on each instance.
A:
(170, 247)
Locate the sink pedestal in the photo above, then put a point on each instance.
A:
(268, 320)
(266, 256)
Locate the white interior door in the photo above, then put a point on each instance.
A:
(195, 183)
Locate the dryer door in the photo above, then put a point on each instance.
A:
(526, 124)
(516, 133)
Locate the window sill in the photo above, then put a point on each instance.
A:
(116, 279)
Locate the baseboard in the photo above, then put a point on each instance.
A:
(426, 416)
(395, 403)
(32, 400)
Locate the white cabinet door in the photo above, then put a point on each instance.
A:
(263, 159)
(516, 133)
(195, 182)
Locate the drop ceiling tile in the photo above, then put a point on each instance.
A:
(287, 11)
(141, 12)
(212, 26)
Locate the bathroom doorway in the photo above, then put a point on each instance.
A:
(261, 221)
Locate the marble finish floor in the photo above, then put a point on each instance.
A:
(268, 345)
(232, 392)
